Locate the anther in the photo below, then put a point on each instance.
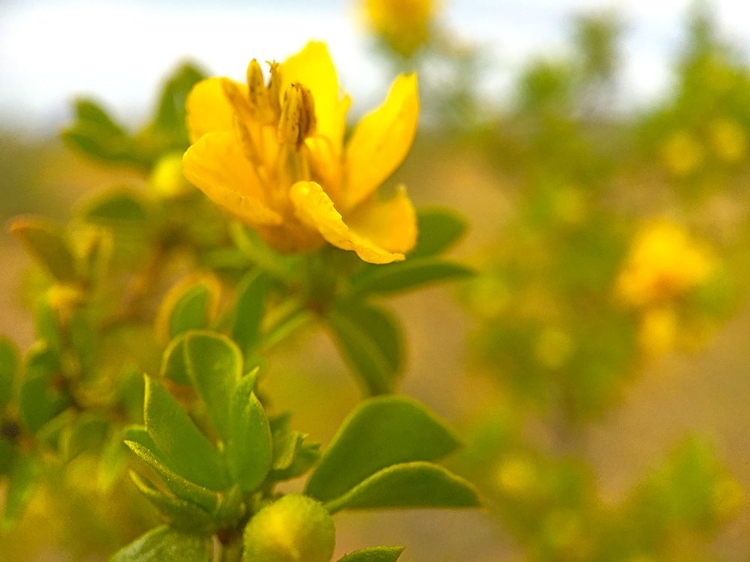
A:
(297, 120)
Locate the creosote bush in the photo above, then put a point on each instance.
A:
(144, 419)
(155, 309)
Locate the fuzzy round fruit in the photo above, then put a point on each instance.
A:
(293, 529)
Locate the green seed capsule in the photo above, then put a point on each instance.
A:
(293, 529)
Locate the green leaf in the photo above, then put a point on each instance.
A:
(382, 328)
(84, 340)
(101, 145)
(251, 298)
(381, 432)
(231, 508)
(305, 456)
(181, 487)
(90, 111)
(249, 447)
(173, 365)
(112, 462)
(279, 266)
(180, 514)
(438, 230)
(285, 444)
(116, 207)
(179, 441)
(406, 276)
(86, 433)
(409, 485)
(373, 351)
(163, 544)
(7, 455)
(98, 255)
(48, 245)
(22, 483)
(9, 365)
(51, 435)
(188, 307)
(170, 114)
(376, 554)
(46, 322)
(96, 134)
(214, 366)
(41, 397)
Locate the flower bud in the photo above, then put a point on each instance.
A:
(295, 528)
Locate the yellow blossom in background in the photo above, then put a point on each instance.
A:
(403, 24)
(517, 475)
(682, 153)
(728, 140)
(272, 153)
(664, 263)
(167, 179)
(658, 331)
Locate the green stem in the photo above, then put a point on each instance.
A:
(259, 254)
(284, 322)
(231, 552)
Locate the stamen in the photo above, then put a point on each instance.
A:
(257, 93)
(274, 89)
(237, 100)
(297, 120)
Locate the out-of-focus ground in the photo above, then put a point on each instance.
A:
(706, 392)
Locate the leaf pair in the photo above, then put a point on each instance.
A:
(97, 135)
(381, 458)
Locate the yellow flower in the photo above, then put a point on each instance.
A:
(682, 153)
(273, 155)
(167, 179)
(404, 24)
(729, 140)
(664, 263)
(658, 331)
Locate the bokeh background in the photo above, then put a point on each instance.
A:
(601, 423)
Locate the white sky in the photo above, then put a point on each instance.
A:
(118, 51)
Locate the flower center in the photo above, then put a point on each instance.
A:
(272, 130)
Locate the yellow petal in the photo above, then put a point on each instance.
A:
(315, 209)
(325, 164)
(208, 109)
(381, 141)
(391, 224)
(313, 67)
(215, 164)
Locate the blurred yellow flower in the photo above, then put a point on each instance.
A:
(403, 24)
(729, 140)
(517, 475)
(728, 496)
(273, 155)
(658, 331)
(682, 153)
(167, 179)
(664, 263)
